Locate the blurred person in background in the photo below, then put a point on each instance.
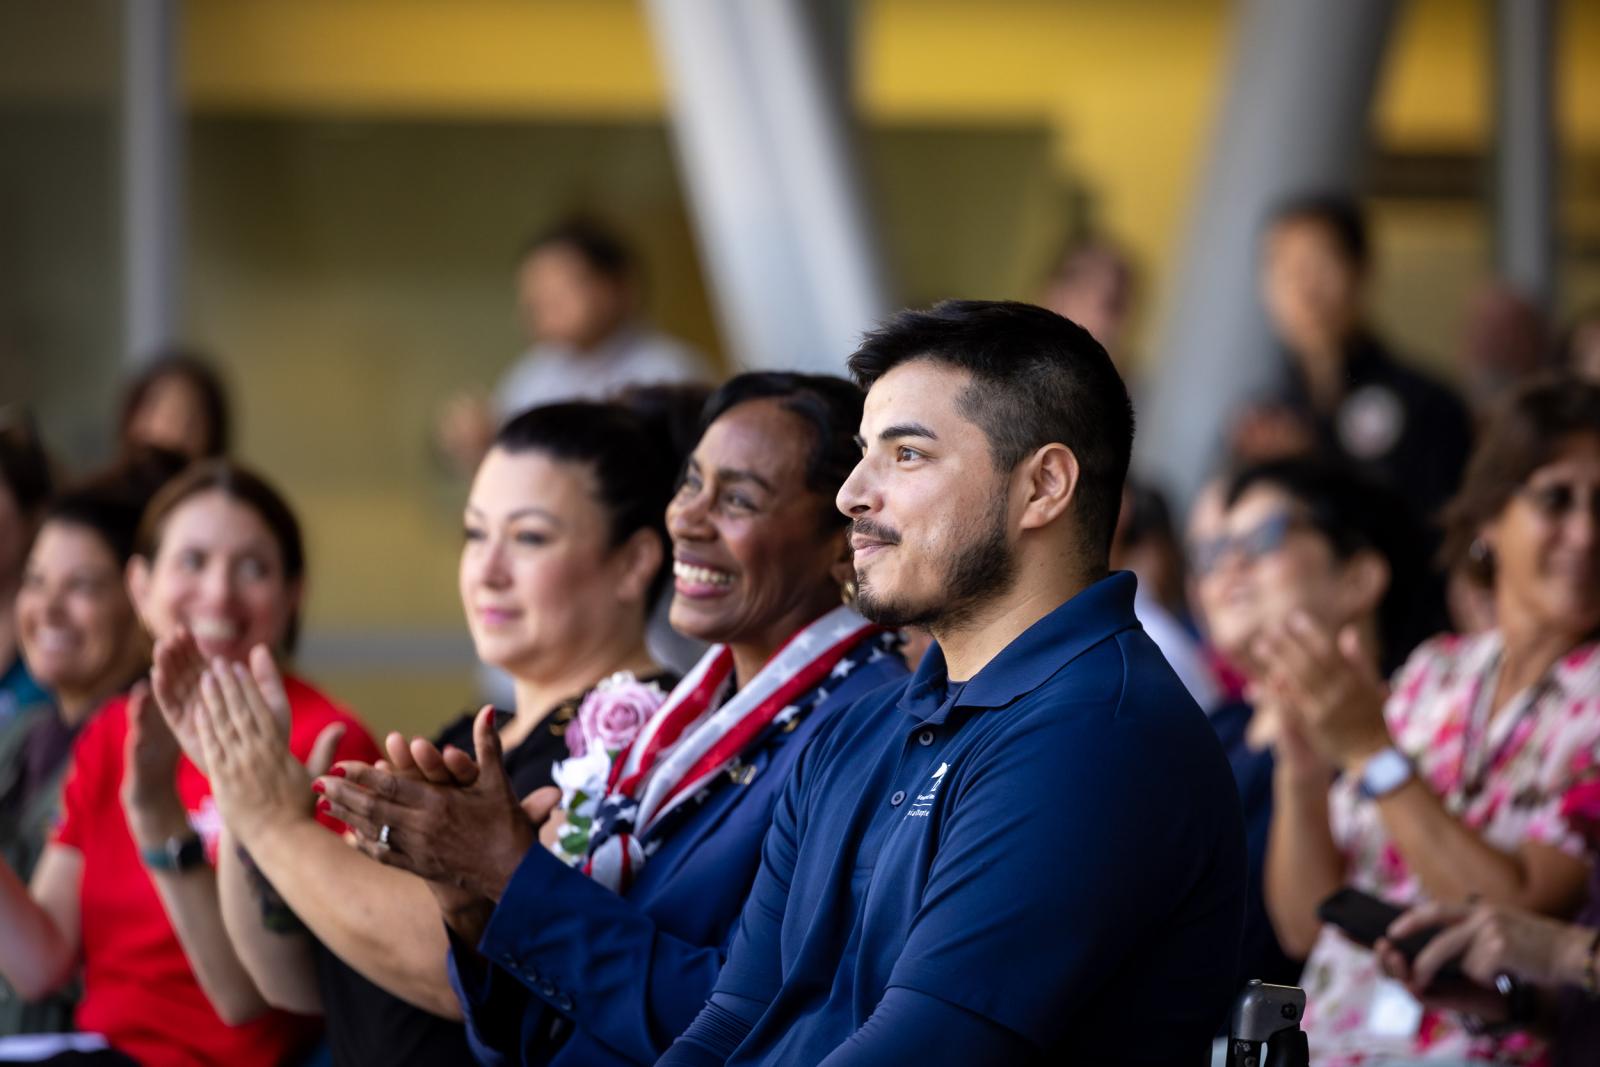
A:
(564, 548)
(1579, 353)
(1342, 390)
(1299, 535)
(83, 643)
(1454, 784)
(1094, 285)
(579, 303)
(1504, 342)
(1205, 522)
(25, 486)
(607, 964)
(1146, 544)
(178, 402)
(126, 887)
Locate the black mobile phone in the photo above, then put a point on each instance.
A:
(1364, 918)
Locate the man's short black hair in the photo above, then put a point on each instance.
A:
(598, 245)
(1037, 379)
(1340, 214)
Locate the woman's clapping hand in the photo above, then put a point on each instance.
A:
(471, 836)
(1327, 688)
(242, 725)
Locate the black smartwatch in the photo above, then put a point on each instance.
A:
(181, 853)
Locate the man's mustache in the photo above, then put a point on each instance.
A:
(874, 531)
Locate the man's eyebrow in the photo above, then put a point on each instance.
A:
(907, 429)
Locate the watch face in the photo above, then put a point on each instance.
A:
(1385, 772)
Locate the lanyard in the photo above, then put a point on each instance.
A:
(1473, 773)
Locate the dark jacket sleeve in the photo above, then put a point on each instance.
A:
(582, 951)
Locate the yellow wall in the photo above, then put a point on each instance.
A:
(573, 58)
(1128, 86)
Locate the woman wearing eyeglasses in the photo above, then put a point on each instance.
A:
(1299, 536)
(1452, 784)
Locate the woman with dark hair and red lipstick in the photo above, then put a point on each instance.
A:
(607, 962)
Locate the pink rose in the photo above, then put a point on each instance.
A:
(615, 711)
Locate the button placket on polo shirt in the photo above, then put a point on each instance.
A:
(918, 757)
(917, 774)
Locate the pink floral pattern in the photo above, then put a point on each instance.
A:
(1541, 757)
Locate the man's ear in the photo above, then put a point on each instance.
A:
(1050, 481)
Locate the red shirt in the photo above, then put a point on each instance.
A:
(138, 989)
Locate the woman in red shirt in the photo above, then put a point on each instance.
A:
(127, 888)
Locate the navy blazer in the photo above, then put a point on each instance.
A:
(568, 972)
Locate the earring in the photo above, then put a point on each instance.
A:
(1479, 551)
(847, 591)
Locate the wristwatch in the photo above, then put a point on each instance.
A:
(1385, 772)
(180, 853)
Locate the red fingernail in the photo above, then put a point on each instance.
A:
(318, 787)
(324, 807)
(335, 772)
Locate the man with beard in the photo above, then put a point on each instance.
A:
(1032, 851)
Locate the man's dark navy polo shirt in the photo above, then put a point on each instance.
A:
(1053, 851)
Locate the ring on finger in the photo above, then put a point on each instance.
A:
(383, 837)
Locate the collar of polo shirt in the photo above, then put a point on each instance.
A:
(1041, 651)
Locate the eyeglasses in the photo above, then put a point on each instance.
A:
(1560, 499)
(1262, 539)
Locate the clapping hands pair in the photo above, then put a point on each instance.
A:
(232, 722)
(1324, 697)
(441, 815)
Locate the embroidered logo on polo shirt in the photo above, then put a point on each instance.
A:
(922, 807)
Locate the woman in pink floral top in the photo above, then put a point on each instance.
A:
(1450, 787)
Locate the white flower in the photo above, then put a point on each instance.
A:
(586, 774)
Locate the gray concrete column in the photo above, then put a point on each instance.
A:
(760, 115)
(152, 176)
(1525, 147)
(1293, 118)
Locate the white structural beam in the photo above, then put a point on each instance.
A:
(1525, 147)
(152, 176)
(1294, 118)
(761, 122)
